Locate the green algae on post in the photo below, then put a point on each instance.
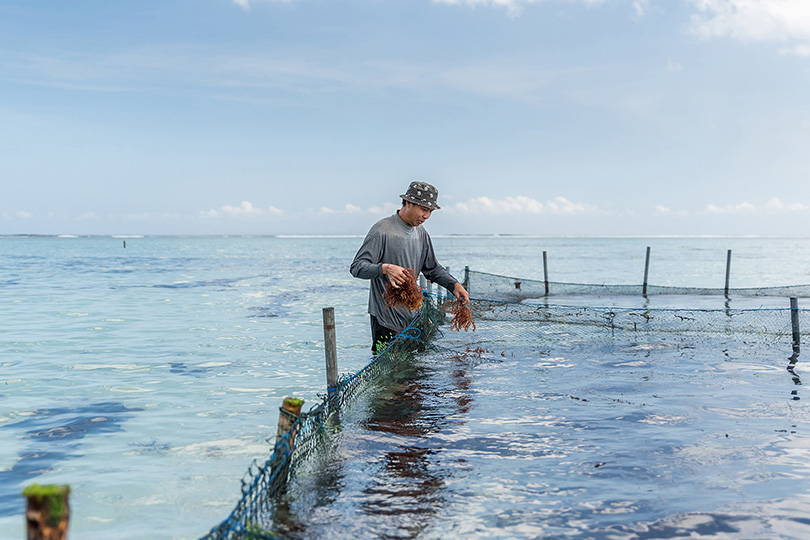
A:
(48, 511)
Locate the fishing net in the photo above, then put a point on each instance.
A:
(510, 315)
(501, 287)
(260, 506)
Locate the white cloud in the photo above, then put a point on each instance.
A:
(349, 208)
(88, 216)
(754, 20)
(798, 50)
(640, 7)
(514, 6)
(19, 214)
(247, 4)
(740, 208)
(520, 204)
(245, 209)
(775, 204)
(383, 209)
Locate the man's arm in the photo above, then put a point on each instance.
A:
(366, 263)
(437, 274)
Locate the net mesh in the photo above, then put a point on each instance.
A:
(501, 287)
(260, 505)
(509, 311)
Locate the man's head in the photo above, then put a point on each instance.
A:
(418, 203)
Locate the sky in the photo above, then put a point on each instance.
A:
(541, 117)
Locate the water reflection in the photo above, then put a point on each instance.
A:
(54, 436)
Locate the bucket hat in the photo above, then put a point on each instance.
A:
(423, 194)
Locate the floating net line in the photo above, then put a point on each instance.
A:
(521, 306)
(762, 325)
(253, 517)
(500, 287)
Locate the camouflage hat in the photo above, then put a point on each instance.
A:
(423, 194)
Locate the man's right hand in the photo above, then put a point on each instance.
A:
(397, 275)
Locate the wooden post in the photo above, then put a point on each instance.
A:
(330, 348)
(48, 512)
(466, 278)
(794, 323)
(646, 272)
(728, 270)
(288, 413)
(545, 271)
(440, 289)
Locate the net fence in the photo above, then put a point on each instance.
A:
(512, 313)
(502, 287)
(260, 505)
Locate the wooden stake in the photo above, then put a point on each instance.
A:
(466, 278)
(646, 272)
(330, 349)
(48, 512)
(728, 270)
(288, 413)
(545, 271)
(794, 323)
(440, 289)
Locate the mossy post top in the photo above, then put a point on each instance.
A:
(42, 491)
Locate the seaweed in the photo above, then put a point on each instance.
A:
(408, 295)
(462, 315)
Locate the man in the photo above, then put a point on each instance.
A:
(393, 245)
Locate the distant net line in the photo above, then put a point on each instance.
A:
(497, 300)
(502, 287)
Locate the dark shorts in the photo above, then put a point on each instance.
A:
(379, 333)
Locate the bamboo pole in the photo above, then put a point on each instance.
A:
(330, 349)
(47, 514)
(466, 278)
(545, 271)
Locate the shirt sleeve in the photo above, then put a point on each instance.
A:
(367, 261)
(433, 270)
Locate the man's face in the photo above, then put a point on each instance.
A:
(413, 214)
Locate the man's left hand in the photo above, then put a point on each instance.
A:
(461, 293)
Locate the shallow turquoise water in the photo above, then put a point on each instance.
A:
(149, 377)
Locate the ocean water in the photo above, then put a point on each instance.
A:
(149, 377)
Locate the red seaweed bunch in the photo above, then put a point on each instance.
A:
(462, 316)
(408, 295)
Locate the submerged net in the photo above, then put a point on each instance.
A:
(502, 287)
(521, 308)
(509, 311)
(260, 506)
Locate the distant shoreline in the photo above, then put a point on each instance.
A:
(450, 235)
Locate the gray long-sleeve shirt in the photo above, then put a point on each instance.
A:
(393, 241)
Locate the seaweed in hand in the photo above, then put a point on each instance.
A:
(462, 315)
(408, 295)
